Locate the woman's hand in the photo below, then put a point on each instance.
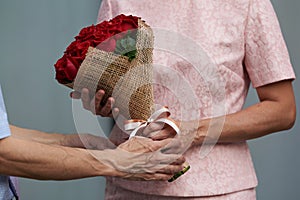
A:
(94, 104)
(160, 131)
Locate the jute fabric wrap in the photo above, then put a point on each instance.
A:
(129, 82)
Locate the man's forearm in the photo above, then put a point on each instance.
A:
(36, 136)
(47, 162)
(69, 140)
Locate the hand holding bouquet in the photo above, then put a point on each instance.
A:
(102, 55)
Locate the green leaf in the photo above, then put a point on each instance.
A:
(126, 46)
(131, 55)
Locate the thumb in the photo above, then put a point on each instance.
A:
(75, 95)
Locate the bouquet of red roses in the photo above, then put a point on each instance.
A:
(102, 56)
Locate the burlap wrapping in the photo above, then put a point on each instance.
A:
(128, 82)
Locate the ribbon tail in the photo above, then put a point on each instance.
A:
(170, 123)
(133, 133)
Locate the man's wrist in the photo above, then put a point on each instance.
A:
(102, 168)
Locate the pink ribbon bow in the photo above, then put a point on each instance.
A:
(135, 125)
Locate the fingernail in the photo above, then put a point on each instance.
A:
(177, 175)
(112, 100)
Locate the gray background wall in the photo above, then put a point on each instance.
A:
(33, 33)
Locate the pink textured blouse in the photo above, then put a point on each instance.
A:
(244, 40)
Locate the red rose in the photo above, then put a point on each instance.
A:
(71, 47)
(99, 38)
(120, 35)
(114, 27)
(103, 36)
(66, 69)
(81, 48)
(86, 33)
(126, 22)
(119, 25)
(102, 25)
(108, 45)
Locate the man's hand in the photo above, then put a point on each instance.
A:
(142, 159)
(94, 104)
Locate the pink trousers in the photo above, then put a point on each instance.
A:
(114, 192)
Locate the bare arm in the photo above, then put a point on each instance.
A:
(69, 140)
(45, 162)
(36, 136)
(275, 112)
(30, 159)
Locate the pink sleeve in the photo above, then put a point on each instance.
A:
(266, 55)
(105, 11)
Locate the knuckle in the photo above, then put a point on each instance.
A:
(99, 95)
(108, 106)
